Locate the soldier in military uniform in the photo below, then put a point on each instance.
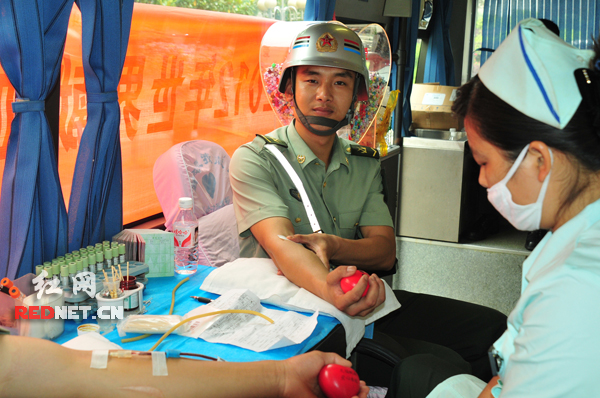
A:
(324, 75)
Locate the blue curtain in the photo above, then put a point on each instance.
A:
(96, 204)
(439, 64)
(33, 217)
(577, 21)
(319, 10)
(411, 49)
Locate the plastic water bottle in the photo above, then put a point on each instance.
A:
(185, 228)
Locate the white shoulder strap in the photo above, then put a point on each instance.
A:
(314, 223)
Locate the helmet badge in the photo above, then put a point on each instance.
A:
(327, 43)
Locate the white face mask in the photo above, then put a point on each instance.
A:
(522, 217)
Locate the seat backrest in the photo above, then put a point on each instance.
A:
(197, 169)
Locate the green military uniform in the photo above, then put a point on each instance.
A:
(344, 197)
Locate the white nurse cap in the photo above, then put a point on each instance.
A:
(533, 71)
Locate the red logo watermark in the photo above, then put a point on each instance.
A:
(66, 312)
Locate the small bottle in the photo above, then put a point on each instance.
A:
(115, 254)
(99, 261)
(38, 269)
(185, 228)
(131, 302)
(122, 253)
(92, 261)
(65, 281)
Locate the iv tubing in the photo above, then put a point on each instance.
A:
(164, 336)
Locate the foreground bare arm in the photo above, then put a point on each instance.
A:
(34, 367)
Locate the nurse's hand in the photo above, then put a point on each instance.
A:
(323, 245)
(300, 374)
(353, 303)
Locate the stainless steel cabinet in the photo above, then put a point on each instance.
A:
(437, 182)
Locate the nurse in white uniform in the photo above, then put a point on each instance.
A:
(532, 117)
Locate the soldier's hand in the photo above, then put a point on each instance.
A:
(353, 303)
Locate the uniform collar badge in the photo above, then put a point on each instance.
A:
(301, 158)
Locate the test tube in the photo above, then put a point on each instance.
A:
(84, 263)
(115, 254)
(92, 262)
(72, 271)
(15, 293)
(99, 261)
(56, 273)
(38, 269)
(48, 270)
(107, 258)
(68, 257)
(90, 248)
(79, 265)
(75, 253)
(64, 276)
(122, 253)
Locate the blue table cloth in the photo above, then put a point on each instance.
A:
(159, 291)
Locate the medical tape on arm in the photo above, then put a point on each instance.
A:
(314, 223)
(159, 363)
(99, 359)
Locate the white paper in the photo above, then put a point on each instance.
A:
(246, 330)
(91, 341)
(434, 99)
(260, 276)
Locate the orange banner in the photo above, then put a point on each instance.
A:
(188, 75)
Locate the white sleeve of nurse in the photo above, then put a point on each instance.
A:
(557, 346)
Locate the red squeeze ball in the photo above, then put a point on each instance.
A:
(349, 282)
(339, 381)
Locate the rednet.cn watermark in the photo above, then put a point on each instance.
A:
(67, 312)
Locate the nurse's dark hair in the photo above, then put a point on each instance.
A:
(510, 130)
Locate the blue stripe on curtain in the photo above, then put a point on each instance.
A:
(411, 49)
(319, 10)
(577, 20)
(439, 63)
(96, 203)
(33, 217)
